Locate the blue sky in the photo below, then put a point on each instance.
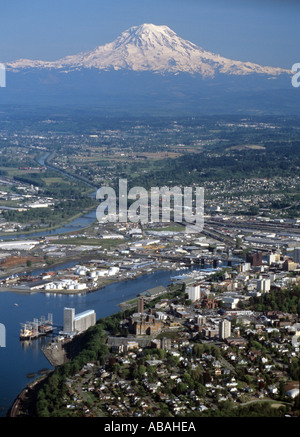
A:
(261, 31)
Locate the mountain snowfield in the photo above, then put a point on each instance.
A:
(151, 48)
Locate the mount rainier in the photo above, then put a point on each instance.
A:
(149, 47)
(150, 68)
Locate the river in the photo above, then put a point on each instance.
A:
(18, 358)
(74, 225)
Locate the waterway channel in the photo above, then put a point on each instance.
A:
(74, 225)
(20, 362)
(18, 359)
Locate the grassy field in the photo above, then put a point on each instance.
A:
(81, 241)
(55, 180)
(14, 171)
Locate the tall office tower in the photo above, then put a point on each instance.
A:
(255, 259)
(193, 292)
(224, 329)
(297, 255)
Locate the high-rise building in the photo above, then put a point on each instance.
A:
(273, 258)
(297, 255)
(193, 292)
(201, 320)
(289, 265)
(264, 285)
(224, 329)
(255, 259)
(245, 267)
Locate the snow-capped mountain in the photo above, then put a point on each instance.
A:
(151, 48)
(149, 68)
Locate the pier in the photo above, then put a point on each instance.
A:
(37, 328)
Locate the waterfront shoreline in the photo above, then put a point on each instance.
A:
(75, 291)
(24, 391)
(14, 410)
(49, 230)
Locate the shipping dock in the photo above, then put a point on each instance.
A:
(37, 328)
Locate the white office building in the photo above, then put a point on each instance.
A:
(245, 267)
(193, 292)
(264, 285)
